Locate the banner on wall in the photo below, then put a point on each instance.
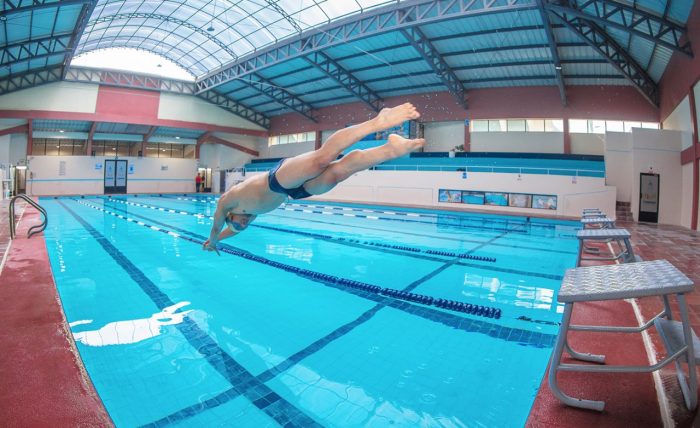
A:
(501, 199)
(131, 168)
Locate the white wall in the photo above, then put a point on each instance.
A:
(533, 142)
(443, 136)
(13, 148)
(680, 119)
(587, 144)
(619, 164)
(192, 109)
(422, 188)
(285, 150)
(659, 152)
(60, 96)
(81, 177)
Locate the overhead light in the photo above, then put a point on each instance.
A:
(211, 28)
(558, 67)
(61, 131)
(58, 147)
(3, 18)
(159, 65)
(21, 167)
(177, 138)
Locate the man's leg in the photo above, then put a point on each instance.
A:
(359, 160)
(297, 170)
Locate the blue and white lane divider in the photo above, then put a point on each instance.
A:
(468, 308)
(347, 210)
(466, 256)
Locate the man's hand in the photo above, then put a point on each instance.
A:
(210, 246)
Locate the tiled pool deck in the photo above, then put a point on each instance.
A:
(40, 366)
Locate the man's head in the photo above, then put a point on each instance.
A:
(238, 222)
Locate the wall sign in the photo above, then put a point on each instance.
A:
(98, 166)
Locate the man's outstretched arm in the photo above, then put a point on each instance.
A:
(225, 204)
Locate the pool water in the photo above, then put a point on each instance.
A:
(284, 328)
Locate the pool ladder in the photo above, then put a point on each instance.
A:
(37, 228)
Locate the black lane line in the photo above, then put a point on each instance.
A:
(243, 382)
(339, 241)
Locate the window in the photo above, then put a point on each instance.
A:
(535, 125)
(57, 147)
(303, 137)
(167, 150)
(517, 125)
(480, 126)
(583, 126)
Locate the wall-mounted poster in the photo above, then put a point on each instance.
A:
(493, 198)
(475, 198)
(544, 202)
(520, 200)
(451, 196)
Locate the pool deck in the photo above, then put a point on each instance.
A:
(43, 380)
(40, 364)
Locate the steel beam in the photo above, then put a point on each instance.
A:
(80, 25)
(209, 138)
(628, 18)
(436, 62)
(236, 108)
(33, 49)
(553, 50)
(29, 79)
(616, 55)
(11, 7)
(280, 95)
(127, 79)
(346, 79)
(379, 21)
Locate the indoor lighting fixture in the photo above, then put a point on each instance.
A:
(177, 138)
(558, 67)
(61, 131)
(21, 167)
(3, 18)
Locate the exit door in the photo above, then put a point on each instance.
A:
(115, 176)
(649, 197)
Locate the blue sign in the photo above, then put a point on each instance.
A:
(98, 166)
(131, 168)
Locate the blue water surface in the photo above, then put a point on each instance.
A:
(174, 336)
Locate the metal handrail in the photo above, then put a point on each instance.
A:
(469, 168)
(37, 228)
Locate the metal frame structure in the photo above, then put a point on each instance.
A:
(346, 79)
(437, 63)
(34, 49)
(558, 74)
(394, 17)
(628, 18)
(279, 95)
(30, 79)
(616, 55)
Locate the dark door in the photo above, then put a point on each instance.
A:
(115, 176)
(649, 197)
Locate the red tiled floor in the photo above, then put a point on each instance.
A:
(631, 399)
(42, 380)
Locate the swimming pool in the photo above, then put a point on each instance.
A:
(317, 315)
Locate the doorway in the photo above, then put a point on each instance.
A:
(649, 197)
(115, 176)
(206, 174)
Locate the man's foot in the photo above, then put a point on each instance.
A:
(400, 146)
(390, 117)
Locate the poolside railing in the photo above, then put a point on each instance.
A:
(493, 169)
(37, 228)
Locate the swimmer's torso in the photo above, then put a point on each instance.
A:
(254, 196)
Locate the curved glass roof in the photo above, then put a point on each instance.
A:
(202, 35)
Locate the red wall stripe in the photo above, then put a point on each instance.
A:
(128, 102)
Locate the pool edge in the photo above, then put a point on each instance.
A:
(41, 364)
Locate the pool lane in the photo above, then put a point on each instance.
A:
(291, 361)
